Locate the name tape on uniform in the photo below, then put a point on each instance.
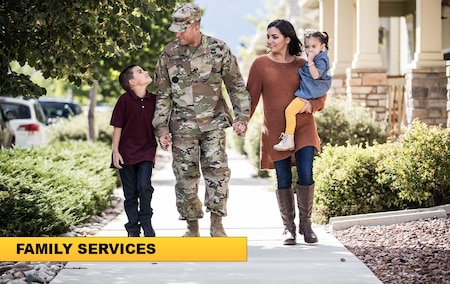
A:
(162, 249)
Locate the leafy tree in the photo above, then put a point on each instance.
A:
(73, 40)
(146, 56)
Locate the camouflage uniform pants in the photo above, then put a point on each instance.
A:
(190, 152)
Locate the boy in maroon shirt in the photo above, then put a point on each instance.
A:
(134, 148)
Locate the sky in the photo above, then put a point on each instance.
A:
(226, 19)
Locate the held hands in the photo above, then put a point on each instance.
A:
(165, 141)
(239, 128)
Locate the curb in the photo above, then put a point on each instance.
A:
(388, 218)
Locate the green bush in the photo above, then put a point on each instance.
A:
(418, 169)
(346, 181)
(339, 124)
(77, 128)
(252, 143)
(104, 129)
(412, 173)
(234, 142)
(46, 190)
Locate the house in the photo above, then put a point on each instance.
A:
(390, 55)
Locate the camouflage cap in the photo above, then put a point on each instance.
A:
(184, 16)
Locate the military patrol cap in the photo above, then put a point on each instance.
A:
(184, 16)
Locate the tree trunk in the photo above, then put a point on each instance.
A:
(91, 112)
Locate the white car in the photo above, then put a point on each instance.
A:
(26, 119)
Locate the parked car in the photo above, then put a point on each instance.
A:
(55, 108)
(26, 119)
(6, 133)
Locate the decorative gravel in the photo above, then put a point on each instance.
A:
(26, 272)
(409, 252)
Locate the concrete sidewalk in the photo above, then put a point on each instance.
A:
(253, 213)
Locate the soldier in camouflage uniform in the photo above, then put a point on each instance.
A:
(192, 114)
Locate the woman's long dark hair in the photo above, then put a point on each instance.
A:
(287, 30)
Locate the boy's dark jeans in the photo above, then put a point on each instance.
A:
(138, 191)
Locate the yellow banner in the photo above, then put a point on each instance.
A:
(158, 249)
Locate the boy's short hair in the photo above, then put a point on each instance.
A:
(125, 76)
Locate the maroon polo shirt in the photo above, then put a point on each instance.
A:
(134, 115)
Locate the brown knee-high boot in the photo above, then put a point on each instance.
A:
(286, 204)
(305, 200)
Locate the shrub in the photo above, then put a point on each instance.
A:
(104, 129)
(339, 124)
(412, 173)
(46, 190)
(77, 128)
(252, 143)
(418, 169)
(235, 142)
(346, 181)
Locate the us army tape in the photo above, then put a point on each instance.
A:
(158, 249)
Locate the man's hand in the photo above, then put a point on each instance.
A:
(165, 141)
(239, 128)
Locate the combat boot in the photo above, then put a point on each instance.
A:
(216, 228)
(286, 144)
(192, 229)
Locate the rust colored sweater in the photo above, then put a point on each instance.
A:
(275, 83)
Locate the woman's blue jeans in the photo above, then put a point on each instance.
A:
(304, 163)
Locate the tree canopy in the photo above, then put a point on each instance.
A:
(76, 40)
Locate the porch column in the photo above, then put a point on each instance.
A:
(327, 24)
(367, 79)
(426, 81)
(326, 8)
(448, 92)
(367, 54)
(343, 37)
(428, 35)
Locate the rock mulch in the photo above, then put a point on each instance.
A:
(409, 252)
(45, 272)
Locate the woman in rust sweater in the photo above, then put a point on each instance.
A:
(274, 78)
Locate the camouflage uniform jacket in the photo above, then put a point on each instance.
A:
(189, 88)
